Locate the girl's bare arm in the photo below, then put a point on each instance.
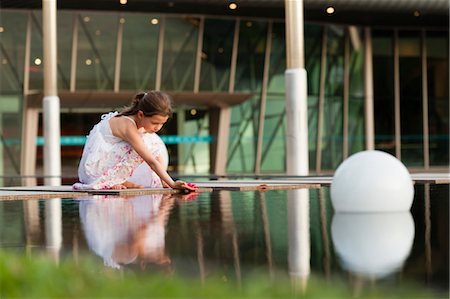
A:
(127, 131)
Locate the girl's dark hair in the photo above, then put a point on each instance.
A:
(150, 103)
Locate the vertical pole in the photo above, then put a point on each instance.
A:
(320, 112)
(30, 120)
(181, 148)
(426, 131)
(219, 127)
(262, 106)
(220, 118)
(198, 56)
(368, 88)
(28, 148)
(73, 59)
(118, 61)
(26, 70)
(397, 134)
(51, 105)
(345, 109)
(234, 55)
(159, 61)
(297, 154)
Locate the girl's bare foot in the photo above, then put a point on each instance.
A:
(126, 185)
(131, 185)
(118, 187)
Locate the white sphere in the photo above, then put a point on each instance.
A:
(372, 245)
(372, 181)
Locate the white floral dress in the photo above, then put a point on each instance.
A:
(143, 174)
(108, 160)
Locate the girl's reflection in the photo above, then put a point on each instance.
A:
(129, 230)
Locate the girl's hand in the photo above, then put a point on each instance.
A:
(185, 186)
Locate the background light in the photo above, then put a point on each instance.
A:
(330, 10)
(232, 5)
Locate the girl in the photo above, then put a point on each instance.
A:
(115, 146)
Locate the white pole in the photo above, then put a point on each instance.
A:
(51, 105)
(297, 152)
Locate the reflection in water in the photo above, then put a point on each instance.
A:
(267, 238)
(427, 222)
(373, 245)
(124, 231)
(324, 227)
(31, 223)
(228, 228)
(299, 250)
(53, 227)
(232, 234)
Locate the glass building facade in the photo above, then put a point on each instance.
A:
(118, 51)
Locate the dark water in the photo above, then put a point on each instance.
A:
(233, 234)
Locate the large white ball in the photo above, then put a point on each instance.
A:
(372, 181)
(372, 245)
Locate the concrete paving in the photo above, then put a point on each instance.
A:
(288, 183)
(40, 192)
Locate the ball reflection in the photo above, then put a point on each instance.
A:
(372, 244)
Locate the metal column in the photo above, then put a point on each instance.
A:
(51, 103)
(297, 150)
(262, 106)
(426, 131)
(368, 88)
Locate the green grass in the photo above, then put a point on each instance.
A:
(38, 277)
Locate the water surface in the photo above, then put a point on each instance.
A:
(233, 234)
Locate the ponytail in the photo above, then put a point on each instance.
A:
(150, 103)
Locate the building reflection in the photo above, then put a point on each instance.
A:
(230, 232)
(53, 228)
(299, 248)
(31, 223)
